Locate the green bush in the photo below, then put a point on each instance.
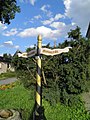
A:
(6, 75)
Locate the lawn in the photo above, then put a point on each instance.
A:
(6, 75)
(22, 100)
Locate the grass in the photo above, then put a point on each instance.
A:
(21, 99)
(17, 98)
(9, 74)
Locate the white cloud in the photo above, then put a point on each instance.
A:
(2, 26)
(57, 25)
(1, 54)
(47, 22)
(45, 8)
(17, 46)
(32, 2)
(29, 32)
(52, 19)
(67, 4)
(31, 46)
(78, 11)
(32, 20)
(9, 44)
(58, 16)
(73, 23)
(38, 17)
(44, 31)
(12, 32)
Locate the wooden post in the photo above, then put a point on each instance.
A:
(38, 101)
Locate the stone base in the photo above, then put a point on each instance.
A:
(9, 115)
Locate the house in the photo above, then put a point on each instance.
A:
(16, 53)
(5, 65)
(88, 31)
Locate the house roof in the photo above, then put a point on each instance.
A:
(88, 31)
(16, 53)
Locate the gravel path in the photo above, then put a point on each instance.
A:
(7, 81)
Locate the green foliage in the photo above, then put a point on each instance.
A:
(9, 74)
(8, 8)
(74, 34)
(25, 70)
(66, 74)
(21, 99)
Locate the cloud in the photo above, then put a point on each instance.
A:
(44, 31)
(45, 8)
(9, 44)
(47, 22)
(55, 18)
(12, 32)
(32, 2)
(1, 54)
(58, 16)
(57, 25)
(32, 20)
(2, 26)
(67, 4)
(38, 17)
(16, 46)
(78, 11)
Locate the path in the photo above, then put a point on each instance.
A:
(7, 81)
(86, 99)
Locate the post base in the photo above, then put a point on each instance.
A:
(39, 114)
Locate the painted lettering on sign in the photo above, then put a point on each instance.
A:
(26, 55)
(53, 52)
(31, 53)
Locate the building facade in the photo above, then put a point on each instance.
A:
(5, 65)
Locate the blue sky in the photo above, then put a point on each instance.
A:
(50, 18)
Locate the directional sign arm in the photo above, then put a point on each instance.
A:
(53, 52)
(27, 54)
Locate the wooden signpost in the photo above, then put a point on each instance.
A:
(38, 113)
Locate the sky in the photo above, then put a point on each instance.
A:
(53, 19)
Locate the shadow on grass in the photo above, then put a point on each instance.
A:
(41, 111)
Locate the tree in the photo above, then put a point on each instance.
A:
(8, 9)
(74, 34)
